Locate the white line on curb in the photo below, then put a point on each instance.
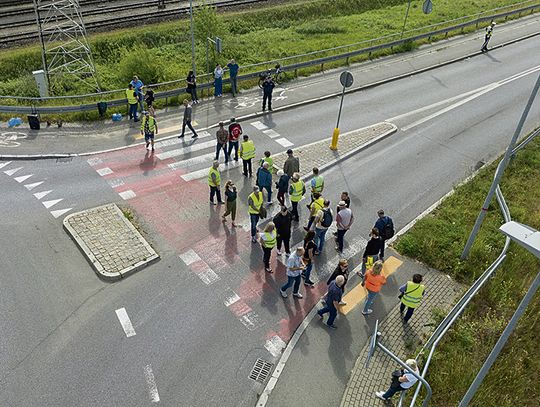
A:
(123, 317)
(151, 383)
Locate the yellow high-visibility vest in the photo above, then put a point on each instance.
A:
(268, 160)
(248, 150)
(132, 100)
(270, 239)
(413, 294)
(297, 191)
(151, 123)
(316, 205)
(218, 177)
(257, 203)
(319, 184)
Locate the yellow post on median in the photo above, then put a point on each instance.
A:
(346, 80)
(335, 138)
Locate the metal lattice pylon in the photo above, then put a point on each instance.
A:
(65, 49)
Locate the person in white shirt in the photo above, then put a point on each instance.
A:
(295, 266)
(344, 220)
(323, 220)
(403, 382)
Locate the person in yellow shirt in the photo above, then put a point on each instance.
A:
(315, 207)
(214, 182)
(255, 201)
(247, 153)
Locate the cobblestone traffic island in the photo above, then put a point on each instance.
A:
(109, 241)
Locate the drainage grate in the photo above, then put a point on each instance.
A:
(261, 370)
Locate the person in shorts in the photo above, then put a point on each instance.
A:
(149, 129)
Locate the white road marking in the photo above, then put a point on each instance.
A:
(104, 171)
(23, 178)
(284, 142)
(192, 161)
(259, 125)
(123, 317)
(60, 212)
(251, 320)
(189, 257)
(204, 172)
(13, 171)
(173, 141)
(275, 345)
(185, 150)
(208, 276)
(2, 165)
(127, 194)
(40, 195)
(151, 384)
(232, 297)
(48, 204)
(115, 183)
(32, 186)
(271, 133)
(94, 161)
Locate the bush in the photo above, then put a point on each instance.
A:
(320, 27)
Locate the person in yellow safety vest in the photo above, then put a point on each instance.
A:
(255, 201)
(149, 129)
(317, 184)
(268, 239)
(133, 102)
(267, 159)
(411, 296)
(316, 206)
(214, 182)
(247, 153)
(296, 192)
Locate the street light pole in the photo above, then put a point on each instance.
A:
(406, 17)
(193, 67)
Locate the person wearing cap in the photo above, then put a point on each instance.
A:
(344, 221)
(487, 37)
(385, 226)
(149, 129)
(332, 300)
(316, 184)
(235, 131)
(291, 165)
(222, 136)
(247, 153)
(403, 382)
(282, 186)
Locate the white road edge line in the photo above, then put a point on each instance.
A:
(123, 317)
(151, 384)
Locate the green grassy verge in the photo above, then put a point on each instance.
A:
(438, 240)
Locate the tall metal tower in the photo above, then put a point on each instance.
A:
(64, 48)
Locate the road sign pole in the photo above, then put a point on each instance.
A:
(346, 80)
(193, 65)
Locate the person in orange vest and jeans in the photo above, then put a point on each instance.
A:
(374, 280)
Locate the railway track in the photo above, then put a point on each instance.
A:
(22, 27)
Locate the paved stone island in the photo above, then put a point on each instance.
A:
(109, 241)
(320, 155)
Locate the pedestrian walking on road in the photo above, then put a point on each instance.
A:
(214, 182)
(344, 221)
(374, 281)
(323, 220)
(138, 87)
(247, 153)
(402, 379)
(233, 74)
(264, 181)
(283, 222)
(332, 300)
(230, 202)
(411, 296)
(295, 265)
(385, 226)
(315, 207)
(268, 87)
(296, 192)
(342, 269)
(371, 253)
(191, 81)
(345, 198)
(487, 37)
(188, 110)
(235, 131)
(133, 103)
(218, 81)
(255, 201)
(268, 239)
(222, 137)
(291, 164)
(282, 185)
(309, 253)
(149, 129)
(317, 184)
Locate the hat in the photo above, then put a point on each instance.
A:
(342, 203)
(289, 151)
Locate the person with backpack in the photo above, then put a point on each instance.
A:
(411, 296)
(235, 131)
(371, 253)
(282, 186)
(323, 220)
(264, 181)
(314, 208)
(385, 226)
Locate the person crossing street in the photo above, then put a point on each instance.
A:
(316, 205)
(268, 239)
(332, 301)
(235, 131)
(255, 201)
(188, 110)
(283, 222)
(149, 129)
(222, 136)
(247, 153)
(385, 226)
(317, 184)
(344, 221)
(295, 265)
(214, 182)
(264, 181)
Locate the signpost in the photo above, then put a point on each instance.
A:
(346, 80)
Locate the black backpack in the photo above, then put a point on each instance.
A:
(326, 220)
(388, 230)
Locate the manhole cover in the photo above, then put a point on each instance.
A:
(260, 370)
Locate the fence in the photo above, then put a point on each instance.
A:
(290, 64)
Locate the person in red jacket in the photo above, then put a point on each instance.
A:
(235, 131)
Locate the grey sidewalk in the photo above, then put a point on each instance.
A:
(80, 138)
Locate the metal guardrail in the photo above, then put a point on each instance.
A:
(34, 107)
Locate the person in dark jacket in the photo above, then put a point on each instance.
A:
(342, 269)
(282, 186)
(283, 222)
(264, 180)
(372, 250)
(380, 225)
(268, 88)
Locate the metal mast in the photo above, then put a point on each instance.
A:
(65, 50)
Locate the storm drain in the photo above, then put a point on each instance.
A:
(261, 370)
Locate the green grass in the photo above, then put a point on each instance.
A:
(438, 240)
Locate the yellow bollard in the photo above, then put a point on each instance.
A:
(335, 137)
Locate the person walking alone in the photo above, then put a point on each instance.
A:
(295, 265)
(344, 221)
(149, 129)
(332, 299)
(188, 110)
(218, 81)
(268, 87)
(235, 131)
(403, 382)
(222, 137)
(233, 74)
(214, 182)
(264, 181)
(371, 253)
(411, 296)
(296, 192)
(230, 202)
(255, 201)
(323, 220)
(133, 103)
(385, 226)
(247, 153)
(487, 37)
(283, 222)
(309, 253)
(291, 164)
(282, 186)
(373, 282)
(268, 242)
(191, 81)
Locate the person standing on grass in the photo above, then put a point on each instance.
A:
(309, 253)
(373, 282)
(247, 153)
(283, 222)
(233, 73)
(487, 37)
(230, 202)
(371, 253)
(282, 186)
(403, 382)
(235, 131)
(255, 201)
(268, 87)
(133, 102)
(149, 129)
(218, 81)
(296, 192)
(342, 269)
(264, 181)
(385, 226)
(188, 111)
(344, 221)
(214, 182)
(138, 87)
(323, 220)
(192, 87)
(411, 296)
(314, 208)
(222, 136)
(268, 240)
(295, 265)
(332, 300)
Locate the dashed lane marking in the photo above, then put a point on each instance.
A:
(40, 195)
(32, 186)
(2, 165)
(12, 171)
(151, 384)
(23, 178)
(284, 142)
(123, 317)
(189, 257)
(129, 194)
(231, 298)
(271, 133)
(275, 345)
(104, 171)
(48, 204)
(190, 176)
(259, 125)
(60, 212)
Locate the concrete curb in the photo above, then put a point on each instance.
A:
(279, 109)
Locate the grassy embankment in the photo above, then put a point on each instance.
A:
(161, 52)
(438, 240)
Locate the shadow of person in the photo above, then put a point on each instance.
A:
(231, 243)
(148, 163)
(339, 348)
(214, 220)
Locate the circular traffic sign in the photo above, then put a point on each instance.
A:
(346, 79)
(427, 7)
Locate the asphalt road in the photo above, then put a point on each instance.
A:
(61, 341)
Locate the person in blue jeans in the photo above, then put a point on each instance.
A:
(309, 252)
(233, 73)
(295, 266)
(264, 180)
(323, 220)
(218, 81)
(403, 382)
(333, 298)
(373, 281)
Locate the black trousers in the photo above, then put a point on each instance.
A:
(188, 123)
(286, 239)
(215, 191)
(267, 97)
(267, 252)
(486, 42)
(247, 167)
(294, 211)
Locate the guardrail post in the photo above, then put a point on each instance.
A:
(322, 67)
(446, 34)
(296, 72)
(347, 61)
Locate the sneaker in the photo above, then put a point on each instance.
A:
(306, 228)
(331, 326)
(212, 203)
(321, 317)
(309, 283)
(268, 270)
(279, 252)
(253, 240)
(298, 295)
(153, 149)
(380, 395)
(342, 302)
(148, 146)
(287, 254)
(369, 311)
(194, 136)
(221, 202)
(337, 249)
(181, 136)
(283, 293)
